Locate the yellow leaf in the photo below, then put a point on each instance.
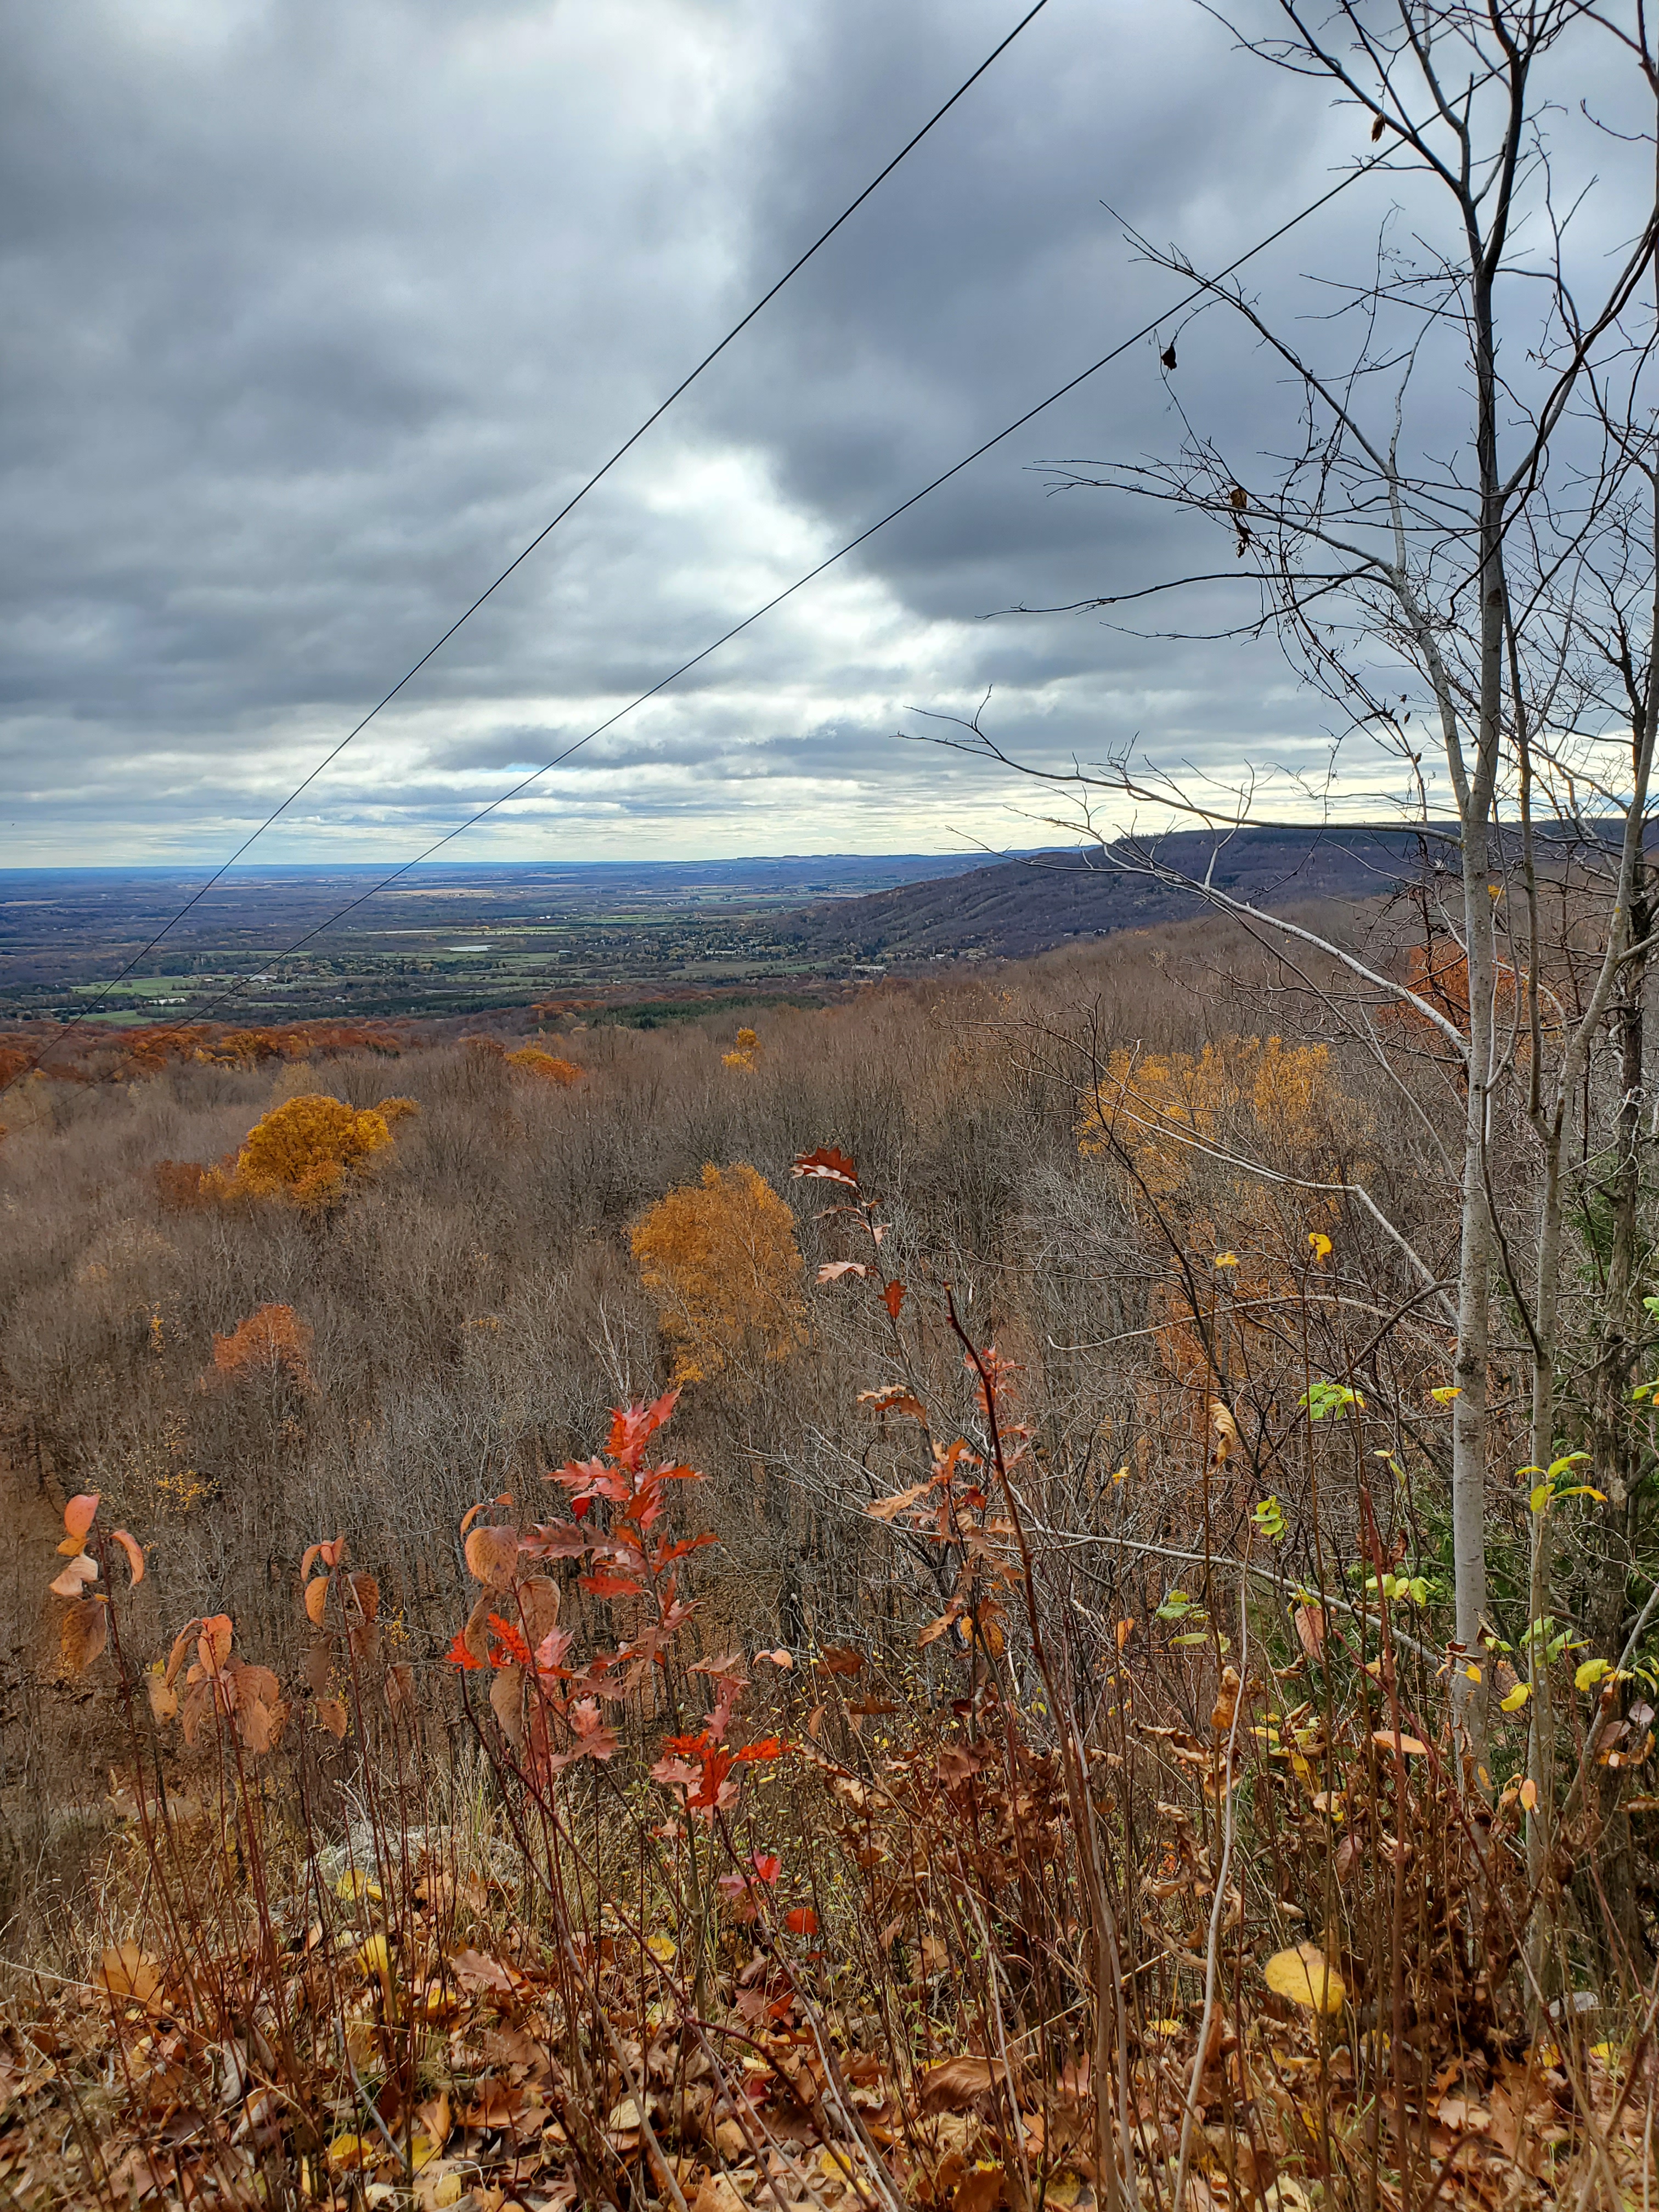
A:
(1306, 1977)
(1226, 1259)
(447, 2193)
(1541, 1497)
(662, 1949)
(1591, 1672)
(374, 1957)
(1446, 1392)
(1164, 2027)
(1516, 1697)
(835, 2164)
(1530, 1795)
(422, 2152)
(1122, 1473)
(352, 1885)
(347, 2152)
(1320, 1242)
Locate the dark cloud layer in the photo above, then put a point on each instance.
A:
(310, 317)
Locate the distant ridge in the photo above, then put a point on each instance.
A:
(1011, 909)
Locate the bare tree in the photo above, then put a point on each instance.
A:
(1464, 522)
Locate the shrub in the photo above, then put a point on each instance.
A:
(545, 1066)
(272, 1337)
(306, 1150)
(721, 1261)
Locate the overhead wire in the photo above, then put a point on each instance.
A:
(851, 546)
(542, 536)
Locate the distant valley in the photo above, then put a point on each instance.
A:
(630, 941)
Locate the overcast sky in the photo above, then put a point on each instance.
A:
(311, 316)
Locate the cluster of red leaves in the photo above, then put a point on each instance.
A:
(550, 1709)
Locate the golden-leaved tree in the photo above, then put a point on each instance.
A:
(720, 1259)
(309, 1149)
(544, 1067)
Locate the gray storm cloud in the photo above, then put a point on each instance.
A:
(312, 316)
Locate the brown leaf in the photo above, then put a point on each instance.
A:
(180, 1646)
(1412, 1745)
(1225, 1708)
(163, 1697)
(331, 1715)
(255, 1682)
(833, 1270)
(130, 1976)
(475, 1637)
(317, 1598)
(258, 1724)
(81, 1571)
(507, 1703)
(1311, 1627)
(980, 2189)
(366, 1594)
(893, 1297)
(841, 1659)
(400, 1686)
(491, 1553)
(194, 1711)
(365, 1641)
(955, 2084)
(475, 1971)
(82, 1634)
(538, 1608)
(213, 1643)
(889, 1509)
(319, 1664)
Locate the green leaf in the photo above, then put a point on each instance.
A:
(1323, 1398)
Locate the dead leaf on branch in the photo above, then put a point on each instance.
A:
(82, 1634)
(491, 1554)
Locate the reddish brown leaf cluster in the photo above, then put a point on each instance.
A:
(272, 1341)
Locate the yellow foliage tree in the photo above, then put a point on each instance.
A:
(305, 1150)
(1168, 1109)
(1191, 1126)
(720, 1259)
(546, 1066)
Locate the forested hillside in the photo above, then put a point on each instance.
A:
(573, 1553)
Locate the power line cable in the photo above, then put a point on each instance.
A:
(800, 583)
(574, 500)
